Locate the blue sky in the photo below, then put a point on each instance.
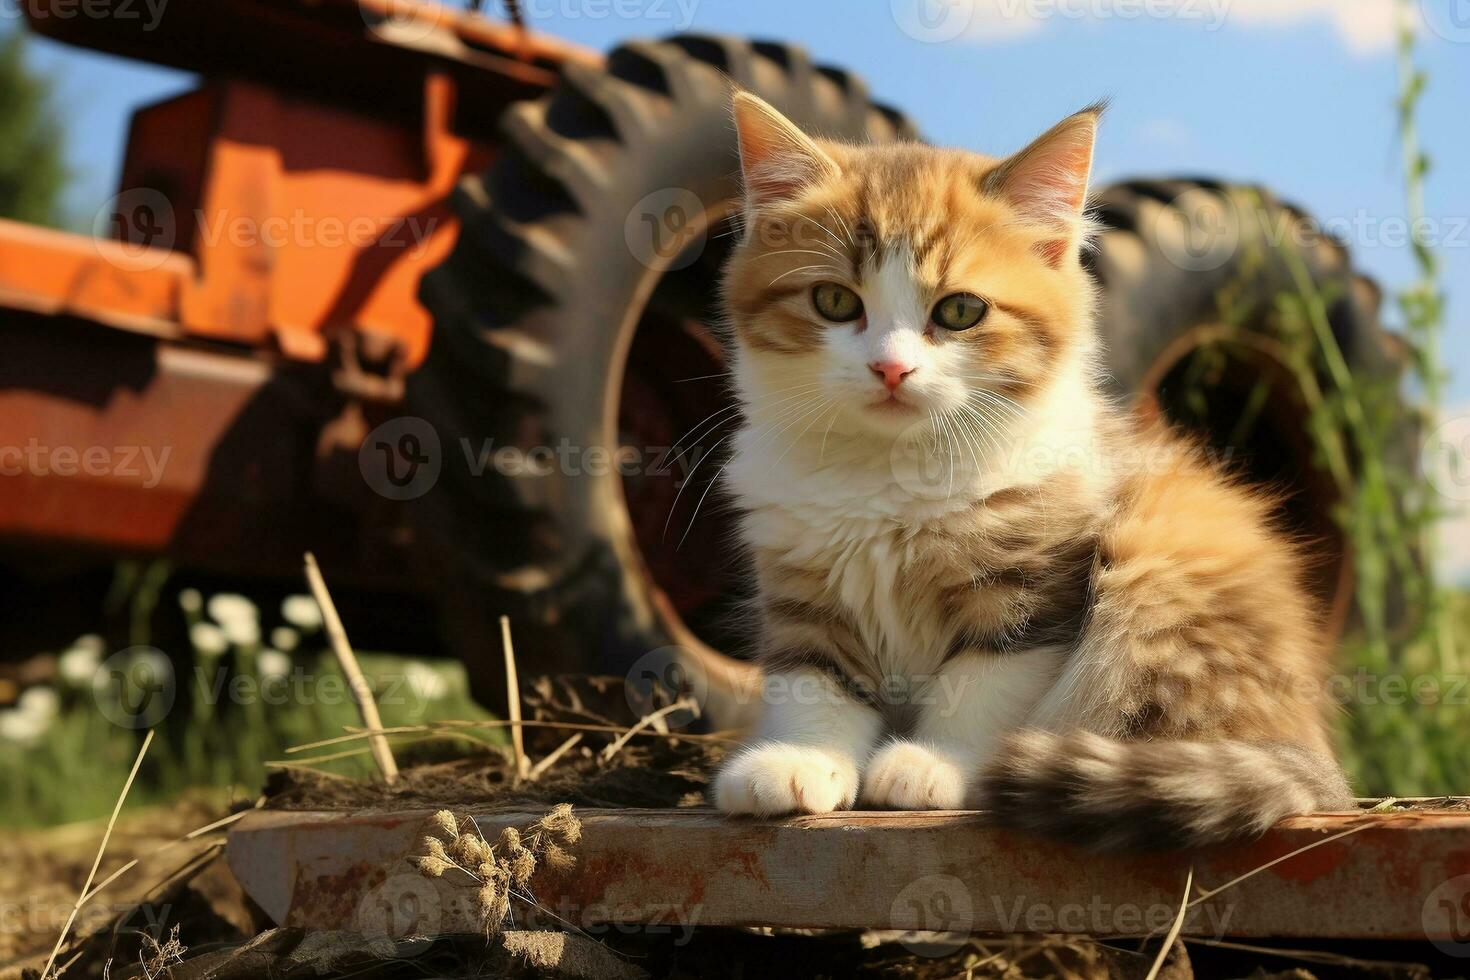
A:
(1295, 94)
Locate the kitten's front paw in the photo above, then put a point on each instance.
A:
(770, 780)
(910, 776)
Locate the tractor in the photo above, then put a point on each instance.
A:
(433, 295)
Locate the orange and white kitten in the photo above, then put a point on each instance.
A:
(978, 583)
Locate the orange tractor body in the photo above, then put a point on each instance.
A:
(270, 231)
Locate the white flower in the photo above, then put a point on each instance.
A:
(242, 632)
(230, 607)
(208, 640)
(285, 638)
(425, 681)
(147, 666)
(77, 665)
(191, 601)
(39, 702)
(302, 612)
(135, 688)
(272, 664)
(23, 729)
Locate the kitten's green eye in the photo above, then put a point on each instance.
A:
(960, 311)
(836, 303)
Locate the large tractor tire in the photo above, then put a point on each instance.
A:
(1191, 274)
(573, 316)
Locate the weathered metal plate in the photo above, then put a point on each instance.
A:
(1397, 876)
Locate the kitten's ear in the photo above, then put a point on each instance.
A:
(776, 158)
(1047, 181)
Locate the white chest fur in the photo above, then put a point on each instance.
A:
(847, 514)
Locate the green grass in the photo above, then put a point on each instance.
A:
(65, 751)
(1398, 745)
(1405, 730)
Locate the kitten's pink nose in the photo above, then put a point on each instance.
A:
(892, 372)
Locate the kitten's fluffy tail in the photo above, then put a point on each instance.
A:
(1114, 795)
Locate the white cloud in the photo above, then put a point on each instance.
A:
(1447, 455)
(1454, 548)
(1365, 26)
(1169, 134)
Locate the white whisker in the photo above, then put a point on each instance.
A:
(801, 251)
(766, 399)
(700, 462)
(827, 431)
(821, 410)
(830, 233)
(842, 221)
(765, 436)
(805, 268)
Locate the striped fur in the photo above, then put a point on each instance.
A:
(1114, 795)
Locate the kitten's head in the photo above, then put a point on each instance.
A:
(899, 281)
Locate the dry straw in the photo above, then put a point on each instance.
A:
(513, 694)
(356, 682)
(46, 973)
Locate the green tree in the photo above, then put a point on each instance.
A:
(32, 168)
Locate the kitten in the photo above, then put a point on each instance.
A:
(979, 585)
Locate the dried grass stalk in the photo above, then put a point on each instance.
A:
(502, 870)
(356, 682)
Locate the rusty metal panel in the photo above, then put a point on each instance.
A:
(119, 443)
(1396, 876)
(117, 284)
(107, 439)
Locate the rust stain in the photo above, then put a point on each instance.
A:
(332, 900)
(1456, 863)
(1029, 857)
(1398, 861)
(392, 822)
(588, 883)
(1167, 875)
(749, 863)
(1311, 865)
(1304, 868)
